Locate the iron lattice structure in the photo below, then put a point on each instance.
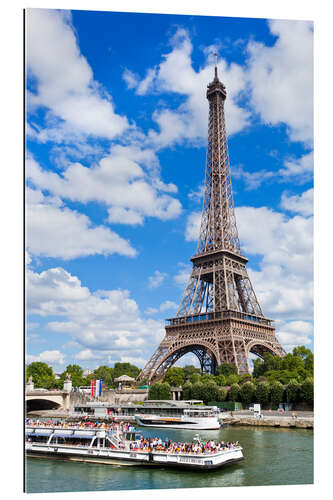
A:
(219, 318)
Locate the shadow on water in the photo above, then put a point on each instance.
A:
(272, 457)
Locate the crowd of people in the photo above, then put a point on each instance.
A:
(142, 444)
(168, 446)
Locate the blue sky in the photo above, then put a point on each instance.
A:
(116, 140)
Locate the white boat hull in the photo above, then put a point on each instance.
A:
(178, 423)
(118, 457)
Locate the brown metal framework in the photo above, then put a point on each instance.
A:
(219, 318)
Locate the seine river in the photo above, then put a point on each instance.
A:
(272, 456)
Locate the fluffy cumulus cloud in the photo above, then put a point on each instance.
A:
(175, 74)
(50, 357)
(53, 230)
(106, 324)
(281, 78)
(127, 181)
(156, 280)
(300, 204)
(64, 84)
(294, 333)
(283, 244)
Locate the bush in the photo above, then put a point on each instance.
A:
(232, 379)
(276, 391)
(262, 393)
(160, 391)
(187, 391)
(247, 392)
(220, 380)
(306, 390)
(292, 391)
(222, 394)
(197, 390)
(233, 393)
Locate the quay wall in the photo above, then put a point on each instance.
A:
(111, 396)
(300, 423)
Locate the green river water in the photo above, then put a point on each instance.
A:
(273, 456)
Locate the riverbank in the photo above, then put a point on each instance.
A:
(301, 420)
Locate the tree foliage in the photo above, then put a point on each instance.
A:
(292, 391)
(306, 390)
(42, 375)
(247, 392)
(234, 393)
(277, 391)
(262, 391)
(175, 376)
(187, 391)
(160, 391)
(226, 369)
(125, 369)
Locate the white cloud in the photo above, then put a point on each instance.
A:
(56, 231)
(183, 274)
(294, 333)
(300, 204)
(47, 357)
(156, 280)
(130, 78)
(99, 322)
(192, 229)
(167, 305)
(127, 181)
(284, 281)
(65, 84)
(284, 246)
(299, 168)
(86, 354)
(175, 74)
(281, 78)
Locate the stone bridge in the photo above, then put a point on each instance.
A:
(47, 400)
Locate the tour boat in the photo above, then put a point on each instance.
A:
(195, 419)
(98, 445)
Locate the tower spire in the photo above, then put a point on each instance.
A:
(215, 59)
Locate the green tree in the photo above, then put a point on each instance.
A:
(220, 380)
(247, 391)
(154, 391)
(232, 379)
(307, 357)
(190, 370)
(210, 392)
(207, 377)
(42, 375)
(226, 369)
(258, 367)
(106, 373)
(165, 390)
(234, 393)
(76, 372)
(187, 391)
(306, 390)
(125, 369)
(195, 378)
(175, 376)
(262, 393)
(160, 391)
(276, 392)
(197, 390)
(292, 391)
(222, 394)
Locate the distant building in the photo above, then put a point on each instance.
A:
(87, 372)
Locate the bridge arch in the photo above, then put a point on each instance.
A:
(202, 350)
(259, 348)
(35, 404)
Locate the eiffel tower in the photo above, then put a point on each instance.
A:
(219, 318)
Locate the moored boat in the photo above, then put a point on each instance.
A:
(195, 419)
(116, 447)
